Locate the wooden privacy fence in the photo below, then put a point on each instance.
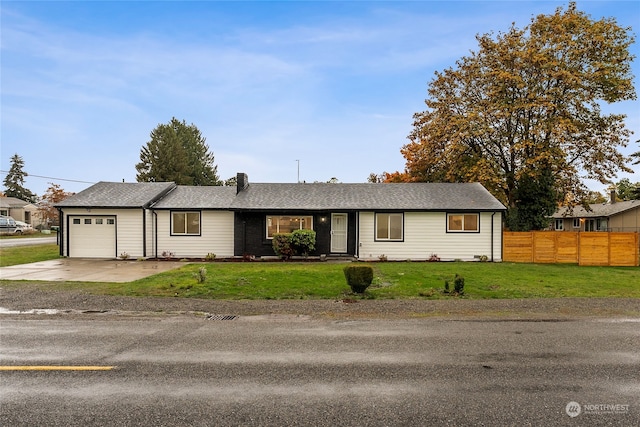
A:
(583, 248)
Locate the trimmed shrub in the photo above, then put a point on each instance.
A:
(300, 242)
(303, 242)
(359, 277)
(281, 244)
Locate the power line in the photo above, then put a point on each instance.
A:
(50, 177)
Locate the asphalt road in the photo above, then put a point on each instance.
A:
(297, 370)
(27, 241)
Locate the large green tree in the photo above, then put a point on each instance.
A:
(626, 190)
(523, 116)
(177, 152)
(14, 181)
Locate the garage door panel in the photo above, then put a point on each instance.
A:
(92, 236)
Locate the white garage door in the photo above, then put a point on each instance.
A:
(92, 236)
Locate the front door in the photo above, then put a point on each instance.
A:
(338, 233)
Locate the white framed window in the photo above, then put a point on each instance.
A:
(111, 221)
(576, 222)
(76, 220)
(185, 223)
(389, 226)
(559, 224)
(99, 221)
(287, 224)
(87, 221)
(463, 223)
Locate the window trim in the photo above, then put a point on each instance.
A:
(561, 222)
(577, 223)
(266, 223)
(376, 238)
(463, 214)
(185, 212)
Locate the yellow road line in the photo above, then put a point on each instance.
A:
(56, 368)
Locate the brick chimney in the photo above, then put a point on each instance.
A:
(242, 182)
(613, 196)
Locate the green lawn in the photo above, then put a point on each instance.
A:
(27, 254)
(392, 280)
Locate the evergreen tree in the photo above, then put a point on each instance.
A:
(177, 152)
(535, 201)
(14, 181)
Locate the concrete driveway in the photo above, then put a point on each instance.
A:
(87, 270)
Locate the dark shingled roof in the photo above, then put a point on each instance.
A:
(118, 195)
(406, 196)
(274, 197)
(206, 197)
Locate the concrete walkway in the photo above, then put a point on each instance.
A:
(87, 270)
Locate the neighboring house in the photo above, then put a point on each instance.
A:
(610, 216)
(19, 210)
(368, 221)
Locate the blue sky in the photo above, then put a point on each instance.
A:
(331, 84)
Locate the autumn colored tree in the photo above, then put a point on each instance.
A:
(48, 212)
(522, 115)
(178, 153)
(14, 181)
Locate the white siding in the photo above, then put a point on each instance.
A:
(216, 236)
(129, 232)
(425, 233)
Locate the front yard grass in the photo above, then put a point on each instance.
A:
(325, 280)
(27, 254)
(392, 280)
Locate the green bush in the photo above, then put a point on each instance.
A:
(281, 244)
(458, 285)
(300, 242)
(303, 242)
(359, 277)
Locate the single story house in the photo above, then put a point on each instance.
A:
(19, 210)
(610, 216)
(368, 221)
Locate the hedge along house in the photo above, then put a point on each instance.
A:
(367, 221)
